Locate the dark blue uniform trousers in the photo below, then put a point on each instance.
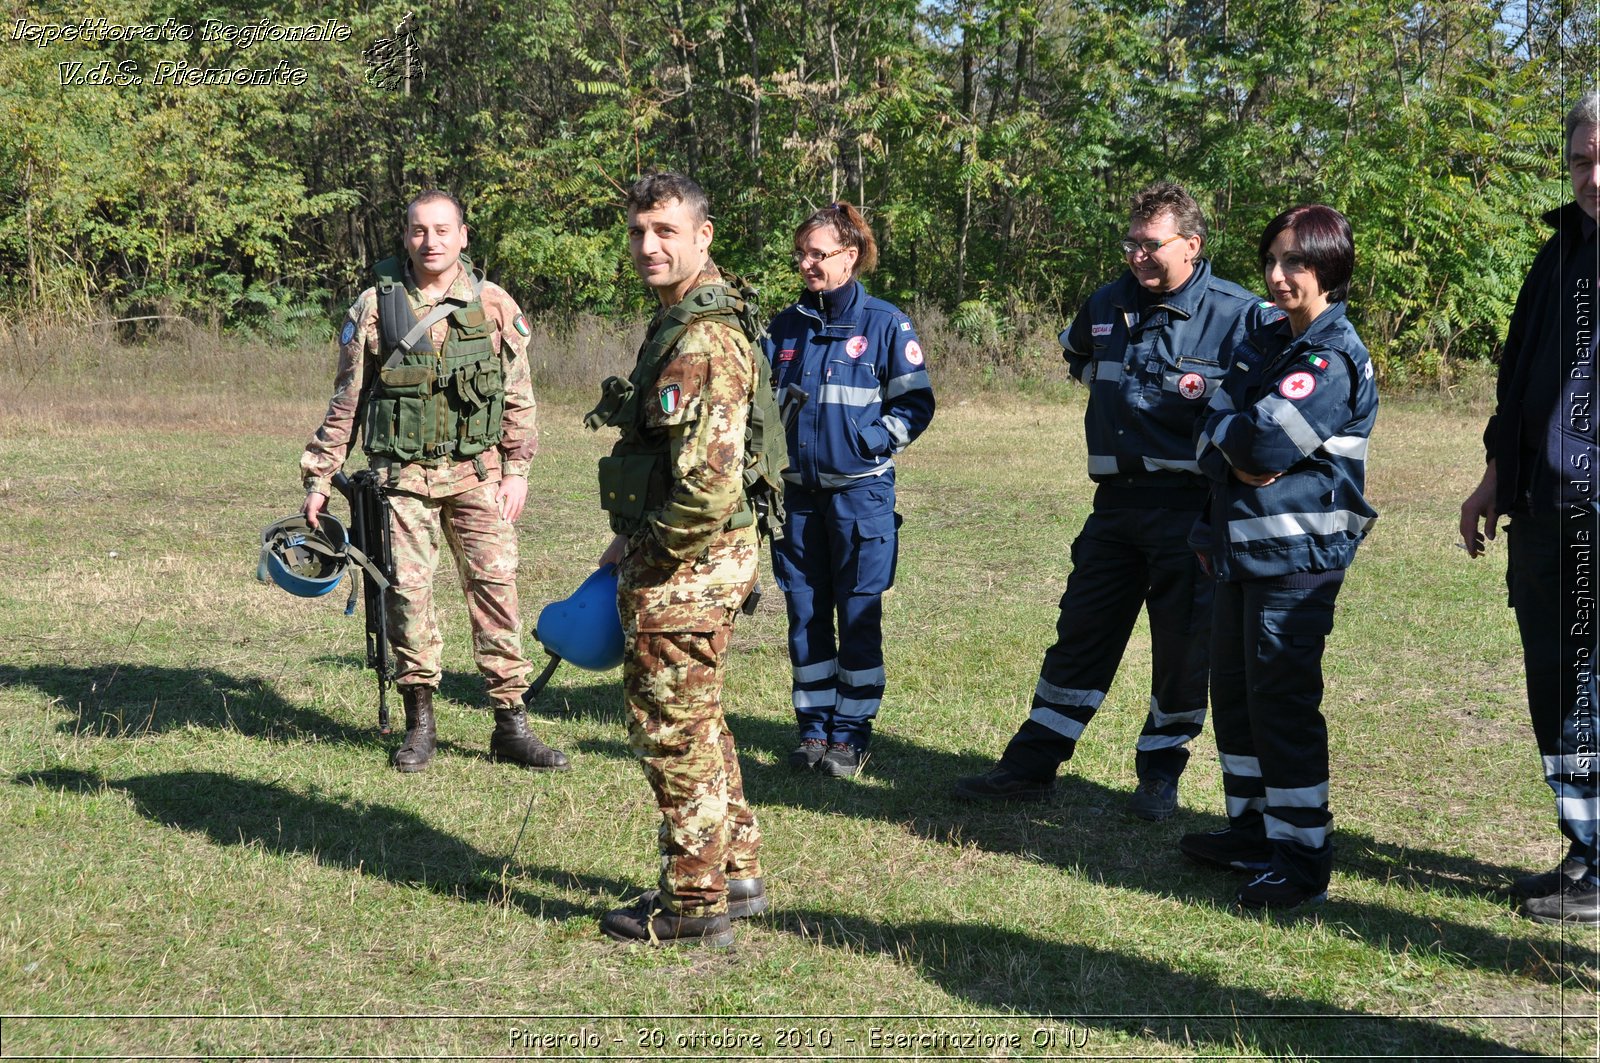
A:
(1122, 560)
(1266, 706)
(835, 560)
(1551, 574)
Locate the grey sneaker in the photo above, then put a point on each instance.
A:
(806, 755)
(1154, 799)
(842, 760)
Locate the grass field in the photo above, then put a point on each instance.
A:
(206, 856)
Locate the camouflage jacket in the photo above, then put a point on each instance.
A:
(360, 353)
(700, 401)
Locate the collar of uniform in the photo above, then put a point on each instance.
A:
(1329, 321)
(1182, 303)
(1570, 222)
(839, 310)
(460, 290)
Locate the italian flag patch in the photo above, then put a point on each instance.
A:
(1317, 363)
(521, 325)
(669, 399)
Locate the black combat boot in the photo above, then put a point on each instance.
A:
(416, 752)
(646, 920)
(514, 742)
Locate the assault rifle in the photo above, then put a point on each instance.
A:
(370, 533)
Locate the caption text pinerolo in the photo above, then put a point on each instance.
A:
(661, 1040)
(242, 36)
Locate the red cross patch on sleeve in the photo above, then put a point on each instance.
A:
(1297, 385)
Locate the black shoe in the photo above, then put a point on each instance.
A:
(1270, 890)
(807, 753)
(646, 921)
(1576, 902)
(841, 761)
(1228, 849)
(417, 748)
(1547, 882)
(746, 897)
(1000, 784)
(1154, 799)
(514, 742)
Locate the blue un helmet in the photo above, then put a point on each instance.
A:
(585, 628)
(305, 561)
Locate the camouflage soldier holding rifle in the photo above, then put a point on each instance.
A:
(433, 367)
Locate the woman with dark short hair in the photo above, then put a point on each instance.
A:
(1284, 443)
(853, 387)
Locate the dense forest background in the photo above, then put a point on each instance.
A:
(994, 143)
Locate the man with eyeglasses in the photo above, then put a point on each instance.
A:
(1152, 346)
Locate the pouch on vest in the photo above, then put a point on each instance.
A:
(625, 483)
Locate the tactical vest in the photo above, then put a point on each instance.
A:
(428, 405)
(637, 477)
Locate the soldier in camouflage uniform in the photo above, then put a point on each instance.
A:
(685, 566)
(448, 420)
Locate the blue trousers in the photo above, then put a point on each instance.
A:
(836, 558)
(1122, 561)
(1267, 641)
(1551, 574)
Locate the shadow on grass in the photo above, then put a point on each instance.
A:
(118, 700)
(122, 700)
(1091, 988)
(1087, 831)
(372, 839)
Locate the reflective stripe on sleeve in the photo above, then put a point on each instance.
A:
(1287, 417)
(899, 435)
(1288, 525)
(1346, 447)
(1105, 372)
(1102, 465)
(898, 386)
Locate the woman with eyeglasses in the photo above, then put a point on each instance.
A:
(854, 392)
(1284, 443)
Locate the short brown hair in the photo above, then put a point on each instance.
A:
(1164, 197)
(654, 189)
(851, 230)
(435, 195)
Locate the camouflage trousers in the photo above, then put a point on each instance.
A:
(485, 550)
(677, 622)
